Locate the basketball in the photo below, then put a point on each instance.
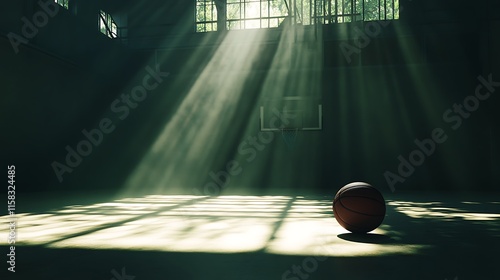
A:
(359, 207)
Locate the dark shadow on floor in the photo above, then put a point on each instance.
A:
(372, 238)
(83, 264)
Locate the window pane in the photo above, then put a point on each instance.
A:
(252, 24)
(278, 9)
(233, 11)
(252, 10)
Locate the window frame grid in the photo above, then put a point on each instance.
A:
(320, 12)
(109, 25)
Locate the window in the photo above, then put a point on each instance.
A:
(206, 16)
(248, 14)
(340, 11)
(240, 14)
(63, 3)
(107, 25)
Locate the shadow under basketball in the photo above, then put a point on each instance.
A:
(372, 238)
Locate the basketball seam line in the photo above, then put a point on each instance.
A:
(340, 200)
(357, 228)
(357, 187)
(341, 191)
(364, 197)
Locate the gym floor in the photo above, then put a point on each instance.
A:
(80, 236)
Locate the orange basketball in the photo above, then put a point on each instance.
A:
(359, 207)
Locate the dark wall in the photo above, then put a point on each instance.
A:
(376, 103)
(56, 82)
(393, 92)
